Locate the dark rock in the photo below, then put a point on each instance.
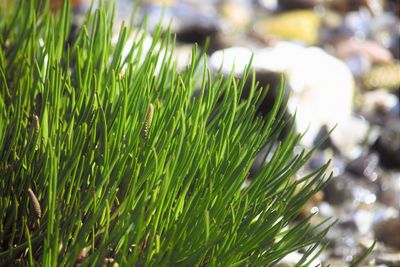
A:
(365, 165)
(388, 232)
(348, 5)
(394, 45)
(393, 6)
(348, 189)
(190, 24)
(389, 192)
(323, 139)
(343, 239)
(388, 144)
(339, 190)
(299, 4)
(369, 49)
(273, 82)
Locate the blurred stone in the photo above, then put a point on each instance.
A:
(301, 25)
(383, 28)
(394, 45)
(326, 210)
(231, 59)
(390, 190)
(364, 194)
(358, 64)
(237, 14)
(388, 144)
(272, 81)
(357, 24)
(383, 213)
(388, 231)
(365, 165)
(367, 48)
(316, 93)
(339, 190)
(190, 23)
(377, 102)
(318, 159)
(345, 189)
(393, 5)
(364, 218)
(270, 5)
(299, 4)
(311, 206)
(322, 156)
(388, 259)
(348, 136)
(183, 55)
(293, 258)
(347, 5)
(343, 239)
(395, 111)
(383, 76)
(331, 19)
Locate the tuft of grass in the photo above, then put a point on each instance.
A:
(122, 163)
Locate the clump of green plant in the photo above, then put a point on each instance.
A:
(106, 158)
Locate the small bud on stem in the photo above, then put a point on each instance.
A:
(147, 123)
(35, 121)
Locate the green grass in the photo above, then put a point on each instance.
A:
(110, 157)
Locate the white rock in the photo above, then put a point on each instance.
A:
(235, 58)
(293, 258)
(322, 85)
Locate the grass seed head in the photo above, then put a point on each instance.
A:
(35, 203)
(147, 123)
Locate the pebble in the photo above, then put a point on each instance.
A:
(364, 219)
(388, 259)
(302, 26)
(190, 23)
(239, 15)
(339, 190)
(349, 135)
(357, 24)
(370, 49)
(383, 76)
(394, 44)
(388, 232)
(358, 64)
(293, 258)
(364, 166)
(347, 5)
(388, 144)
(379, 102)
(299, 4)
(231, 59)
(395, 111)
(390, 190)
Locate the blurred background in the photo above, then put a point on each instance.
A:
(341, 64)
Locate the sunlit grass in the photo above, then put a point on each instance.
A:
(104, 156)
